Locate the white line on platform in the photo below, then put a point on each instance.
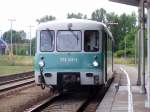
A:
(130, 98)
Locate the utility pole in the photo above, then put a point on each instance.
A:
(125, 50)
(148, 52)
(139, 49)
(11, 21)
(30, 38)
(135, 41)
(143, 89)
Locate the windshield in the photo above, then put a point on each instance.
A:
(69, 41)
(47, 40)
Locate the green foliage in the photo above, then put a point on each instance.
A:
(126, 27)
(33, 47)
(77, 16)
(46, 18)
(99, 15)
(115, 29)
(130, 38)
(18, 41)
(130, 52)
(119, 53)
(22, 50)
(17, 36)
(125, 24)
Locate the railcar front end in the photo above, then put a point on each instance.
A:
(69, 55)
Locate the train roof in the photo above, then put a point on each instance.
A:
(76, 24)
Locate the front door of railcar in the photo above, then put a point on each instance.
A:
(104, 49)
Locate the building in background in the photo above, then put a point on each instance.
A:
(3, 47)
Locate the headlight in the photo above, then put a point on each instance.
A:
(95, 63)
(41, 64)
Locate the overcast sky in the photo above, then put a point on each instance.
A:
(25, 12)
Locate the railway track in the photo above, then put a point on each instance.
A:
(63, 102)
(14, 81)
(92, 103)
(72, 102)
(15, 77)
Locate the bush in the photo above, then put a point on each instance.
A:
(119, 53)
(129, 53)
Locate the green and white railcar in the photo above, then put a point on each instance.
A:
(73, 50)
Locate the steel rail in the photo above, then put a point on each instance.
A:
(15, 76)
(55, 99)
(16, 85)
(15, 80)
(79, 105)
(91, 104)
(45, 103)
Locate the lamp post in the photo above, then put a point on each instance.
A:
(11, 21)
(30, 38)
(125, 49)
(142, 28)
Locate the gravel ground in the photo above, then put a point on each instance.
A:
(23, 99)
(28, 97)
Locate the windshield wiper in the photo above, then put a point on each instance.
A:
(51, 35)
(76, 36)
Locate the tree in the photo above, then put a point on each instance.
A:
(17, 36)
(126, 23)
(99, 15)
(77, 16)
(46, 18)
(22, 35)
(115, 29)
(33, 47)
(130, 40)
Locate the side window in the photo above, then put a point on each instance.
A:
(104, 43)
(109, 54)
(91, 41)
(46, 40)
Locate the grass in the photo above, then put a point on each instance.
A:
(15, 64)
(7, 60)
(128, 61)
(8, 70)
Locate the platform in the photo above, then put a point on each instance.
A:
(117, 98)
